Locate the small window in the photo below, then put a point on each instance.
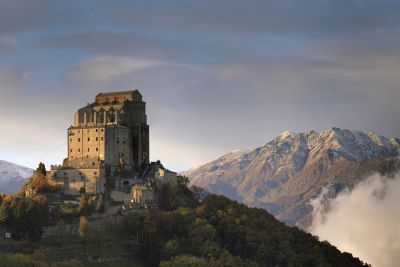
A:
(93, 163)
(79, 150)
(79, 139)
(97, 149)
(102, 130)
(88, 139)
(102, 138)
(70, 139)
(95, 173)
(88, 150)
(70, 150)
(97, 130)
(97, 139)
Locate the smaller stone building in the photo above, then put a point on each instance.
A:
(154, 176)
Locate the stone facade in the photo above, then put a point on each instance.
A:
(143, 194)
(108, 145)
(153, 177)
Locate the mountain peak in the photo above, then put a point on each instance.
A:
(286, 134)
(293, 167)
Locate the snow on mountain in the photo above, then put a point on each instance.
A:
(12, 177)
(283, 175)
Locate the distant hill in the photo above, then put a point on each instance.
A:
(283, 175)
(12, 177)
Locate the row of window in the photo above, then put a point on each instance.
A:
(79, 150)
(88, 130)
(97, 139)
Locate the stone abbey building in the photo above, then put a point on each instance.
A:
(108, 146)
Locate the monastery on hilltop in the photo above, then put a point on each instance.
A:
(108, 151)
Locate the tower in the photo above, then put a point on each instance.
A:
(109, 141)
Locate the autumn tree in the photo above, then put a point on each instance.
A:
(83, 226)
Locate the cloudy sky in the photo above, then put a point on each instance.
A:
(216, 75)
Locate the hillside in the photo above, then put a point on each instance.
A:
(12, 177)
(283, 175)
(221, 232)
(184, 232)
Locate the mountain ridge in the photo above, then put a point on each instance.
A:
(12, 176)
(283, 175)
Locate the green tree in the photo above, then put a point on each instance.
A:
(182, 180)
(184, 261)
(91, 205)
(171, 249)
(100, 203)
(83, 205)
(6, 214)
(19, 228)
(41, 169)
(34, 215)
(62, 226)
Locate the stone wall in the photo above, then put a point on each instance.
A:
(86, 142)
(93, 180)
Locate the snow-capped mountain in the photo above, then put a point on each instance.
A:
(12, 177)
(283, 175)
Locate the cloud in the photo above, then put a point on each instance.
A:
(8, 45)
(105, 69)
(363, 221)
(108, 42)
(257, 17)
(12, 81)
(27, 15)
